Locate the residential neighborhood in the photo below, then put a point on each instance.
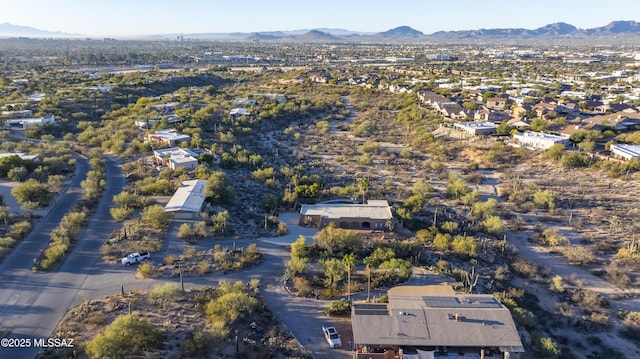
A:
(321, 194)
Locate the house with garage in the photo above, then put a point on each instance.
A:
(434, 321)
(187, 201)
(373, 215)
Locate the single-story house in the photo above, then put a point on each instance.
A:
(175, 157)
(429, 321)
(188, 199)
(625, 151)
(169, 137)
(22, 155)
(477, 127)
(25, 122)
(540, 140)
(375, 214)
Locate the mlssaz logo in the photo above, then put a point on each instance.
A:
(54, 343)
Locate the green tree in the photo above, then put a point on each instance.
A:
(544, 199)
(379, 255)
(363, 186)
(336, 240)
(156, 216)
(218, 190)
(442, 241)
(465, 245)
(219, 223)
(457, 187)
(349, 261)
(298, 248)
(127, 336)
(32, 192)
(555, 152)
(539, 125)
(334, 271)
(493, 225)
(229, 307)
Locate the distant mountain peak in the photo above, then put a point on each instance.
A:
(401, 31)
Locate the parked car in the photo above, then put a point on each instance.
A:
(332, 336)
(134, 258)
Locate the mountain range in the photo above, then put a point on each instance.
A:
(403, 33)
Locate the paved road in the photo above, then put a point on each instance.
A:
(33, 303)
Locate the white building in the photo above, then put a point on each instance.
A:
(477, 127)
(26, 122)
(175, 157)
(540, 140)
(625, 151)
(188, 199)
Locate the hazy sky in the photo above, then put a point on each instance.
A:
(145, 17)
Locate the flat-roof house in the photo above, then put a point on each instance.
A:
(625, 151)
(371, 215)
(239, 111)
(429, 321)
(175, 157)
(169, 137)
(540, 140)
(477, 127)
(25, 122)
(188, 199)
(22, 155)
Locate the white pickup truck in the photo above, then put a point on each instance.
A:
(134, 258)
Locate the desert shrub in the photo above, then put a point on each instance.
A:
(485, 209)
(457, 187)
(556, 284)
(190, 252)
(466, 245)
(551, 237)
(545, 347)
(449, 226)
(145, 270)
(127, 336)
(303, 286)
(166, 291)
(631, 326)
(203, 268)
(156, 216)
(523, 317)
(197, 344)
(230, 306)
(169, 260)
(442, 241)
(338, 307)
(589, 300)
(282, 228)
(493, 225)
(185, 231)
(18, 230)
(119, 214)
(579, 255)
(524, 268)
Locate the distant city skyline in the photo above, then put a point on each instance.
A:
(120, 18)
